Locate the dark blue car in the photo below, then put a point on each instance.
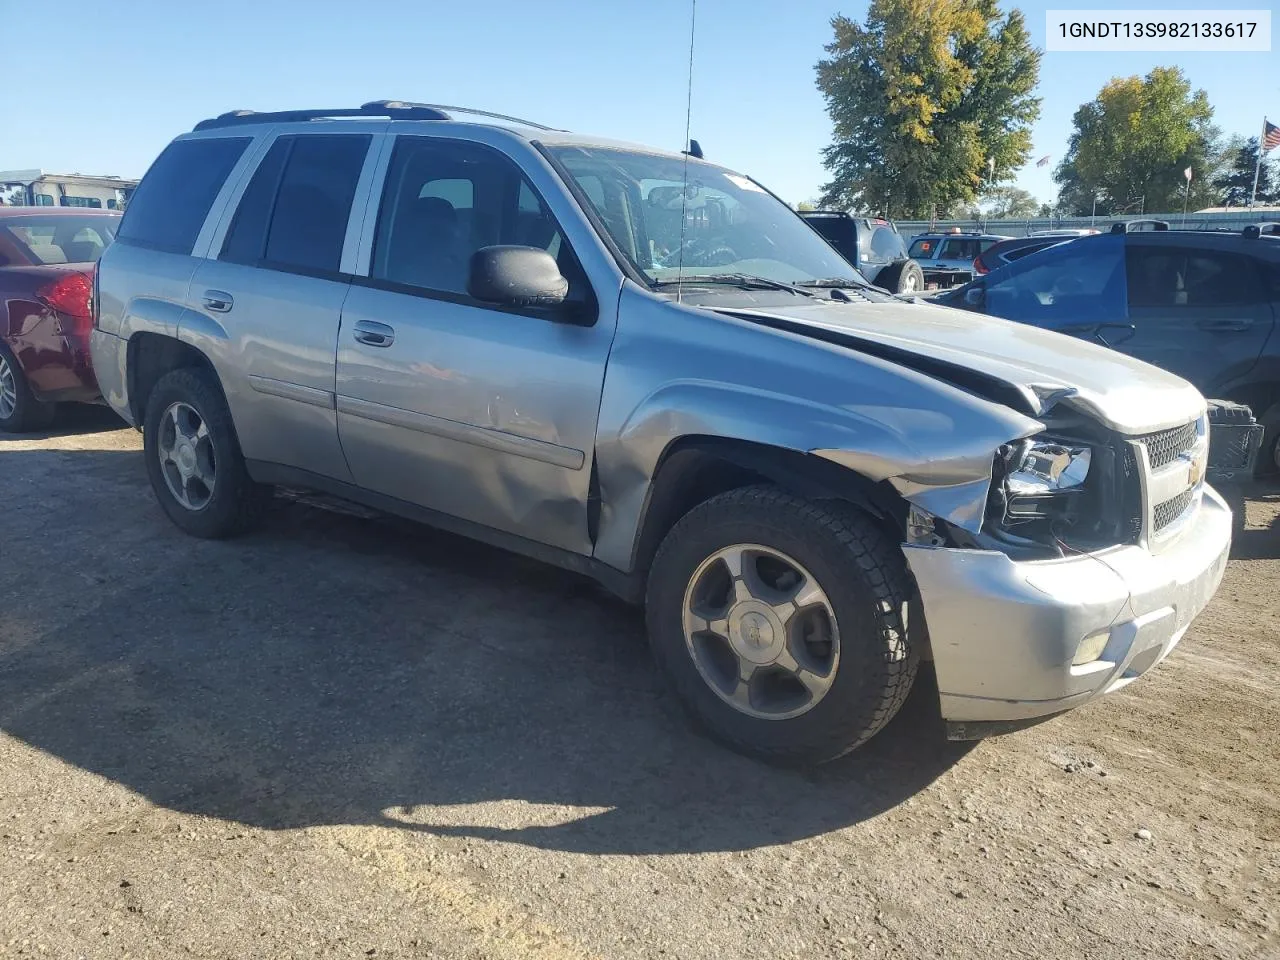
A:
(1202, 305)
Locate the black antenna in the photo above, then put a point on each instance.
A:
(688, 120)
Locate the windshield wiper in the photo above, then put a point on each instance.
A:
(838, 283)
(744, 281)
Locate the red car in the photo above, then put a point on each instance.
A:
(46, 282)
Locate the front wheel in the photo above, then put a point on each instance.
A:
(193, 458)
(781, 623)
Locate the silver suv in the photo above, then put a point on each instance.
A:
(646, 368)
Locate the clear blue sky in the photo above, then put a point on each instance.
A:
(115, 88)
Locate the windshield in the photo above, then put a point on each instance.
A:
(923, 248)
(723, 223)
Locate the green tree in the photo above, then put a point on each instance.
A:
(922, 97)
(1009, 203)
(1235, 182)
(1132, 143)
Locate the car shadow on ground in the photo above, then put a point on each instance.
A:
(72, 418)
(348, 669)
(1253, 542)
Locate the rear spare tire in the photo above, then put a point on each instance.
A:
(902, 277)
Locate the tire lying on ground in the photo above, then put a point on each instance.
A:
(781, 623)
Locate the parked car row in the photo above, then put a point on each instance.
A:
(1204, 305)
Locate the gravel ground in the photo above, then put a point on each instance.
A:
(348, 736)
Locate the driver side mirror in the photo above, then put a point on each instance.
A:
(975, 297)
(513, 276)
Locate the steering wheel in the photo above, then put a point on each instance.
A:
(699, 253)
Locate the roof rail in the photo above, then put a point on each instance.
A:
(1256, 230)
(1124, 226)
(393, 109)
(389, 106)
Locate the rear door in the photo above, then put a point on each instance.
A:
(271, 298)
(1202, 313)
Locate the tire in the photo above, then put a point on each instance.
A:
(231, 504)
(864, 579)
(20, 411)
(1268, 464)
(902, 277)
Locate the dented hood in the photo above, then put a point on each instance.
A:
(1125, 394)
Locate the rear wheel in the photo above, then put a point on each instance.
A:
(193, 458)
(20, 411)
(781, 623)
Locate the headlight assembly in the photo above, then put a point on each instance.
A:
(1043, 477)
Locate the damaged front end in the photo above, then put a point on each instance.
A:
(1066, 484)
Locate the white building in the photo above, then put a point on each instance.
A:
(35, 188)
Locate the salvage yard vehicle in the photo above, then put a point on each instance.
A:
(646, 368)
(946, 259)
(1202, 304)
(872, 245)
(46, 260)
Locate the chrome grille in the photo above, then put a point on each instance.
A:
(1166, 446)
(1169, 511)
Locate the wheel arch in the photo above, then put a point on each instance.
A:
(695, 468)
(149, 357)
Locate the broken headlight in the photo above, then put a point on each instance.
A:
(1042, 479)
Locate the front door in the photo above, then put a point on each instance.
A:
(483, 413)
(1201, 313)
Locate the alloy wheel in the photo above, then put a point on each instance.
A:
(8, 389)
(761, 631)
(187, 460)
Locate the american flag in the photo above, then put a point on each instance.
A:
(1042, 161)
(1270, 136)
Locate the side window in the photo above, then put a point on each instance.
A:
(1169, 276)
(246, 241)
(173, 199)
(294, 212)
(1217, 278)
(444, 200)
(1080, 282)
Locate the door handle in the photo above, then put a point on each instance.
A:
(373, 334)
(1242, 323)
(218, 301)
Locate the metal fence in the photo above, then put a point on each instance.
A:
(1229, 220)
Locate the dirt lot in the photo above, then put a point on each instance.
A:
(354, 737)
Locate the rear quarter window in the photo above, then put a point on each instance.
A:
(173, 199)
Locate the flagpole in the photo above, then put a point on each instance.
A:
(1186, 195)
(1253, 194)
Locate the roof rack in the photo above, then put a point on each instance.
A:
(1125, 226)
(1256, 230)
(392, 109)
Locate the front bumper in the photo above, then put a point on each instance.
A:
(1004, 633)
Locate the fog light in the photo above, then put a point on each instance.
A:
(1091, 648)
